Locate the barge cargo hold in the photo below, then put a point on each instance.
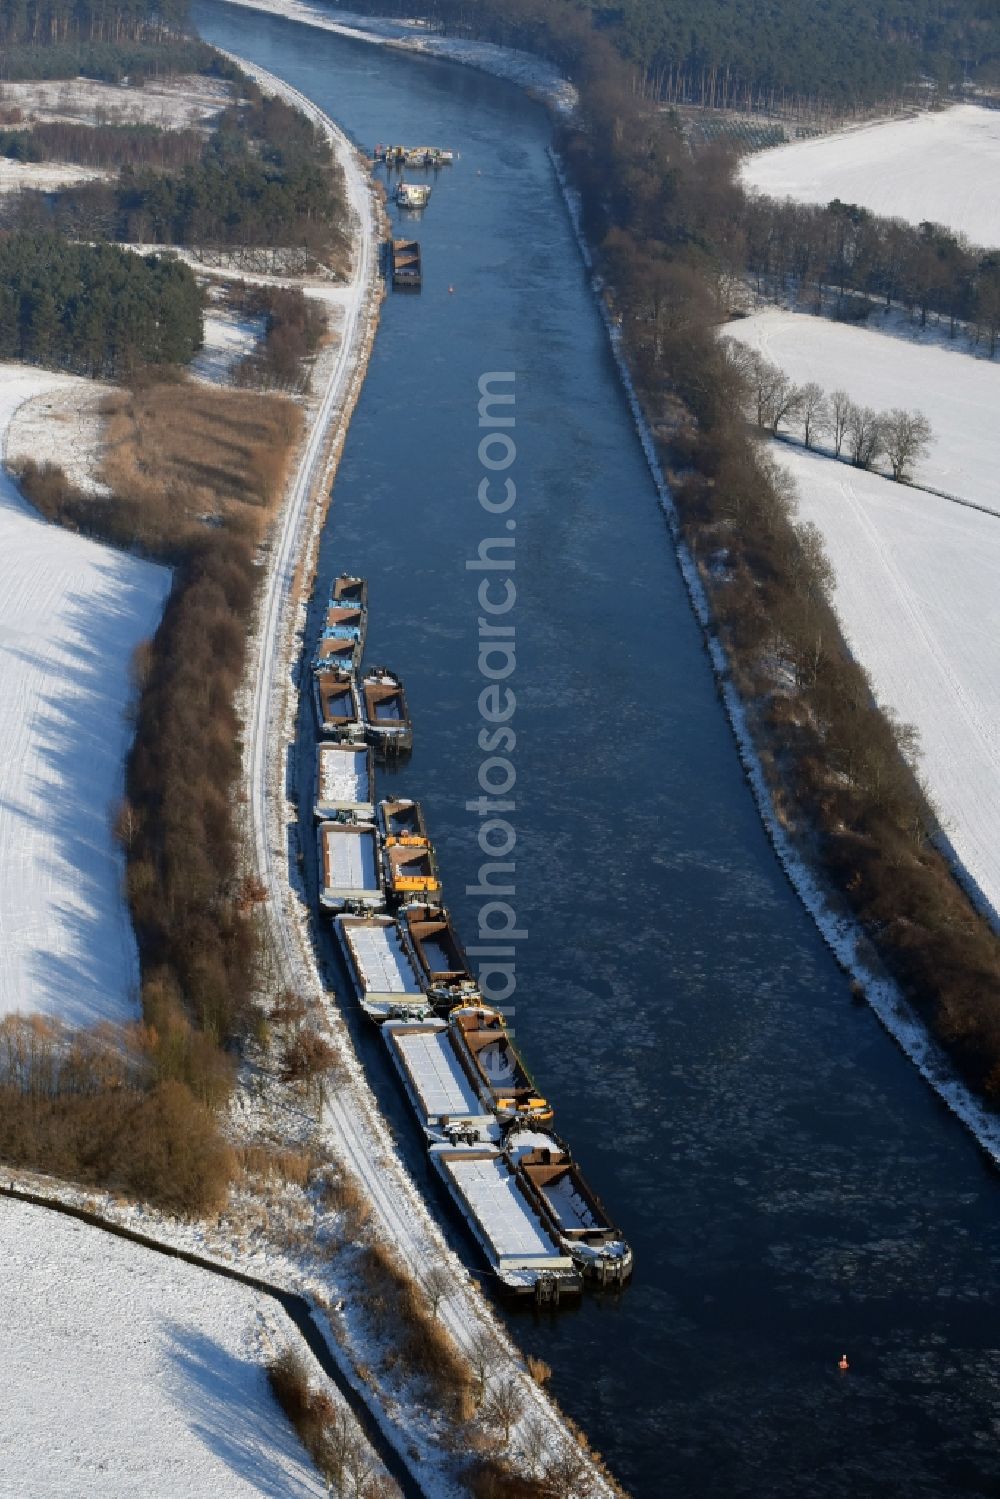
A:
(410, 870)
(337, 703)
(404, 258)
(385, 980)
(401, 820)
(387, 718)
(520, 1248)
(447, 1105)
(573, 1211)
(439, 955)
(345, 782)
(482, 1037)
(350, 873)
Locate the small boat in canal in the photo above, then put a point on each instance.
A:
(520, 1248)
(385, 980)
(439, 954)
(386, 716)
(569, 1205)
(337, 701)
(413, 194)
(405, 262)
(345, 783)
(349, 866)
(482, 1037)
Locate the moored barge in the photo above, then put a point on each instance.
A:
(446, 1102)
(409, 864)
(404, 258)
(572, 1209)
(350, 869)
(440, 958)
(387, 718)
(337, 703)
(381, 968)
(520, 1247)
(482, 1037)
(345, 782)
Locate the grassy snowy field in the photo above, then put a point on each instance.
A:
(71, 614)
(943, 167)
(918, 596)
(959, 395)
(126, 1373)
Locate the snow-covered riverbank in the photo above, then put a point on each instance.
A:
(532, 73)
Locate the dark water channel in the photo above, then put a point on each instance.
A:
(791, 1188)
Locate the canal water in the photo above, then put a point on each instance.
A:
(792, 1190)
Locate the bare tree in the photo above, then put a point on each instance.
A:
(841, 406)
(814, 412)
(437, 1283)
(784, 403)
(906, 436)
(505, 1404)
(864, 435)
(483, 1356)
(568, 1476)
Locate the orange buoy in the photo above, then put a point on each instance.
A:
(842, 1363)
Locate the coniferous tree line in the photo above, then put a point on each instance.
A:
(56, 22)
(94, 309)
(264, 178)
(110, 62)
(734, 54)
(137, 146)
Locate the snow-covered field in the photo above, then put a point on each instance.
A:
(918, 596)
(125, 1373)
(944, 167)
(71, 614)
(228, 338)
(172, 103)
(47, 176)
(64, 427)
(959, 395)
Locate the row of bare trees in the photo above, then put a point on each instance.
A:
(899, 437)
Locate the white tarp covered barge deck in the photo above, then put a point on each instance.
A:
(381, 968)
(345, 781)
(435, 1081)
(524, 1255)
(350, 870)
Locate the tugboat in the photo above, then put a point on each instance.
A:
(413, 194)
